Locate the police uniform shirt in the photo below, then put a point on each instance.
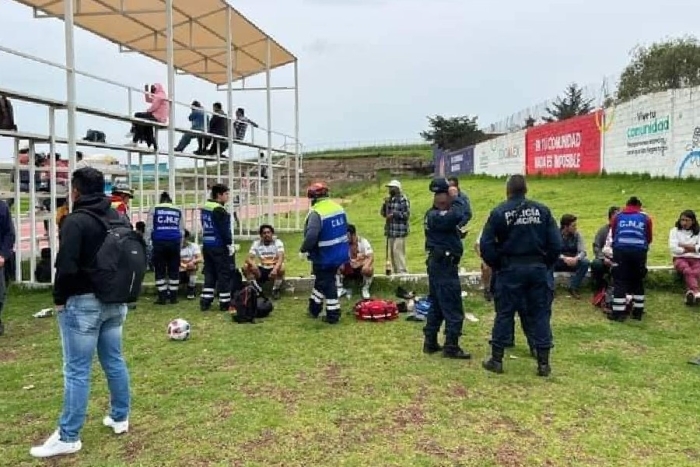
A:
(520, 228)
(267, 254)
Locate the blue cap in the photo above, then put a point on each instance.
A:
(439, 185)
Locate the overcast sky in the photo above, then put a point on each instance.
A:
(372, 70)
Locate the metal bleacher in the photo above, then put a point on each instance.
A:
(188, 186)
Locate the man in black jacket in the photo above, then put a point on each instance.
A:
(218, 125)
(7, 244)
(86, 324)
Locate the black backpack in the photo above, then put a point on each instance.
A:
(119, 266)
(250, 303)
(95, 136)
(7, 115)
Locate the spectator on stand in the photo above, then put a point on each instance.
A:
(218, 125)
(197, 120)
(240, 125)
(157, 112)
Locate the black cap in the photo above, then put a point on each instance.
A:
(439, 185)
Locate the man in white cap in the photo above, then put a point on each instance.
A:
(396, 210)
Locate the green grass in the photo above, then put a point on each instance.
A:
(398, 150)
(295, 392)
(588, 198)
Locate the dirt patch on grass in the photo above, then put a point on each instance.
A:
(8, 355)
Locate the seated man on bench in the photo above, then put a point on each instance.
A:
(361, 264)
(269, 250)
(190, 259)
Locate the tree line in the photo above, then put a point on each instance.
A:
(671, 64)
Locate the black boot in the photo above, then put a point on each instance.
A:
(2, 328)
(543, 368)
(190, 293)
(453, 350)
(162, 297)
(430, 345)
(495, 363)
(173, 297)
(204, 305)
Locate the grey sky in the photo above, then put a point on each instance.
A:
(371, 70)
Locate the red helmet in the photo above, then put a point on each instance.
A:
(317, 190)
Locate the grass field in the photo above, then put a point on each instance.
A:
(398, 150)
(588, 198)
(295, 392)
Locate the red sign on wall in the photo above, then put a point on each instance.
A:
(571, 145)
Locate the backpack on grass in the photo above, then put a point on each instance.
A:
(250, 303)
(376, 310)
(119, 266)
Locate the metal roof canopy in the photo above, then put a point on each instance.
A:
(199, 34)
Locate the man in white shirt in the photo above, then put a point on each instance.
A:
(269, 250)
(361, 265)
(190, 258)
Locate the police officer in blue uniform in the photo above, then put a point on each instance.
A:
(521, 243)
(327, 247)
(217, 250)
(165, 227)
(444, 246)
(631, 237)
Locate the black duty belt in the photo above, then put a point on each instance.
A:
(442, 255)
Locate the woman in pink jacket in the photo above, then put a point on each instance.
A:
(157, 112)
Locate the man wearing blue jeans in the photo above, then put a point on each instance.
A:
(86, 324)
(573, 254)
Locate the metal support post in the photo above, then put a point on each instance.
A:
(171, 92)
(70, 88)
(270, 177)
(229, 102)
(297, 146)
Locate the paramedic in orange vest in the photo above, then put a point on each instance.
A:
(121, 194)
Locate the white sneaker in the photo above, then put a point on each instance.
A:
(117, 427)
(365, 293)
(55, 447)
(341, 292)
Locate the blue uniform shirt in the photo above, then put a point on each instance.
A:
(216, 225)
(441, 233)
(463, 199)
(168, 223)
(521, 228)
(630, 231)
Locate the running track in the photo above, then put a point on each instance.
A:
(245, 212)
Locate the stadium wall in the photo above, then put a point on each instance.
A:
(657, 134)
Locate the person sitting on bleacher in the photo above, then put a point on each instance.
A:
(241, 124)
(218, 125)
(197, 119)
(157, 112)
